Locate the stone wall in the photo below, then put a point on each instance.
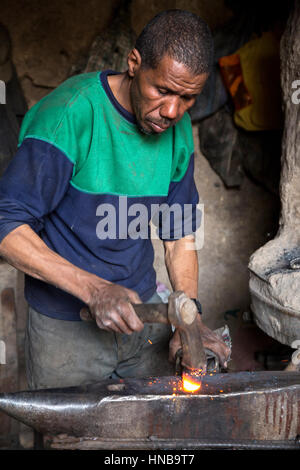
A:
(48, 38)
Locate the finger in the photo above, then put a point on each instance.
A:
(171, 356)
(107, 324)
(130, 317)
(219, 348)
(174, 346)
(121, 324)
(173, 353)
(111, 328)
(223, 355)
(86, 315)
(133, 297)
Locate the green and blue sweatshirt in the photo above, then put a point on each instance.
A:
(79, 149)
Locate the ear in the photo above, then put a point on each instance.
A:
(134, 62)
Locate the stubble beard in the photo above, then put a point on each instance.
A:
(136, 110)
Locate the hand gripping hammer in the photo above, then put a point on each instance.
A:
(182, 313)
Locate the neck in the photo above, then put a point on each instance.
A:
(120, 87)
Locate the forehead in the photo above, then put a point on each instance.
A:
(174, 76)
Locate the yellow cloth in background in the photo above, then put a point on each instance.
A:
(260, 64)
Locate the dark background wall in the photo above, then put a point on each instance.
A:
(48, 38)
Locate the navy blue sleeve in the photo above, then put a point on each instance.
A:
(32, 186)
(180, 216)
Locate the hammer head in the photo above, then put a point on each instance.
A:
(183, 315)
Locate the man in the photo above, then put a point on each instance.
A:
(95, 141)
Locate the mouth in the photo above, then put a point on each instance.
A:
(157, 128)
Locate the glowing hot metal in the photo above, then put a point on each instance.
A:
(192, 380)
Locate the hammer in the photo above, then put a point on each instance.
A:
(181, 312)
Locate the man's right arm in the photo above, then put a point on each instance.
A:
(32, 187)
(108, 302)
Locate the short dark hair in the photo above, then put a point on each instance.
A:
(182, 35)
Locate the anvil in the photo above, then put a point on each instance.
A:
(156, 412)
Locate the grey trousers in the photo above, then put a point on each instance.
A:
(62, 353)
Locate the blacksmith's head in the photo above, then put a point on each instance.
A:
(168, 68)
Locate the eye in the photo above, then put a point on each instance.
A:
(188, 97)
(162, 91)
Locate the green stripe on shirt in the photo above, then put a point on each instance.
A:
(110, 154)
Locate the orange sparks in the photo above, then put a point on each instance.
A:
(149, 341)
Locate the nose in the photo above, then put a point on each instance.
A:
(171, 108)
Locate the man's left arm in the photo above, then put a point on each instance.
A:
(182, 266)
